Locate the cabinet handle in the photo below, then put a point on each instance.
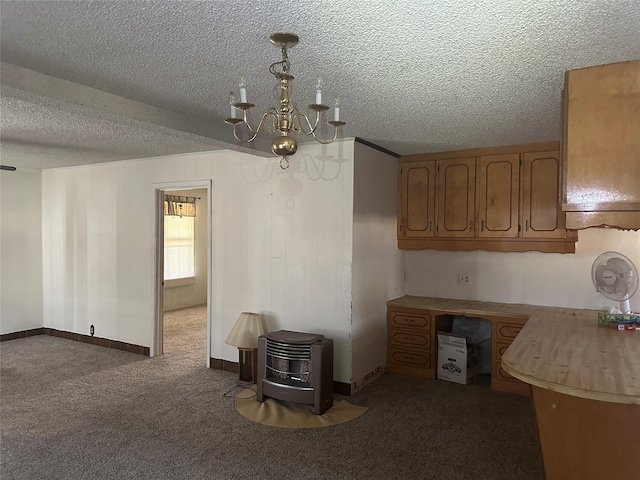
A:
(482, 226)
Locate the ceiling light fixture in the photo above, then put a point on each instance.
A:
(287, 119)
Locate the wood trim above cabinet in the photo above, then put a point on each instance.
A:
(623, 220)
(567, 245)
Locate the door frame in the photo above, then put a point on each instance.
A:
(157, 333)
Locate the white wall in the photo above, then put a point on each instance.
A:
(562, 280)
(20, 251)
(303, 254)
(377, 262)
(282, 243)
(196, 293)
(298, 246)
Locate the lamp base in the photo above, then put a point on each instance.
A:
(248, 365)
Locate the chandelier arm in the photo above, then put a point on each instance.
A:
(326, 141)
(235, 134)
(297, 114)
(271, 111)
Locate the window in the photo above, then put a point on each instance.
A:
(179, 251)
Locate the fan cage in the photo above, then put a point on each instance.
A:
(627, 276)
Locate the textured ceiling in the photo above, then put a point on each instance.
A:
(413, 75)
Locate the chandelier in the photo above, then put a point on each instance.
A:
(286, 119)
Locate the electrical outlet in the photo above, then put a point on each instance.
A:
(464, 279)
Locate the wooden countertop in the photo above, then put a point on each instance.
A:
(560, 349)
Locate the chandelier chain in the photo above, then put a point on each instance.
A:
(284, 64)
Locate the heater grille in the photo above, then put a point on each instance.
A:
(288, 361)
(288, 351)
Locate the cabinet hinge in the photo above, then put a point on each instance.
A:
(519, 228)
(520, 161)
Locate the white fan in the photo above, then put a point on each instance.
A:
(615, 277)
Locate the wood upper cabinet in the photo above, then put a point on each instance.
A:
(541, 193)
(601, 141)
(456, 197)
(498, 188)
(500, 198)
(417, 200)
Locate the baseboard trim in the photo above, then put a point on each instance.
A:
(225, 365)
(78, 337)
(340, 388)
(22, 334)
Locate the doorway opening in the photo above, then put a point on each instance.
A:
(182, 320)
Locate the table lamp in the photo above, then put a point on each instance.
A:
(244, 335)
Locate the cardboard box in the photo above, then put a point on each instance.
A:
(457, 358)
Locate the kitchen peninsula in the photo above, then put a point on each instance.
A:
(585, 384)
(584, 378)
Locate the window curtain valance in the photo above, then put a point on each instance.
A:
(179, 205)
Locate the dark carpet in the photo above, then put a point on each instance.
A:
(71, 410)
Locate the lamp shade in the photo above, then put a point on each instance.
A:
(246, 331)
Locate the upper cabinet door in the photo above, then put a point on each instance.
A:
(417, 199)
(498, 188)
(541, 183)
(602, 146)
(456, 197)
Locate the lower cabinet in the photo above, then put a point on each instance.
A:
(502, 334)
(409, 343)
(412, 346)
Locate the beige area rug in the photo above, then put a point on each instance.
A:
(278, 413)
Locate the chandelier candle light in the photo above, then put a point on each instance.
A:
(286, 119)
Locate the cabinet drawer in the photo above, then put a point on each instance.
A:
(507, 331)
(501, 347)
(410, 339)
(502, 375)
(422, 322)
(410, 358)
(501, 381)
